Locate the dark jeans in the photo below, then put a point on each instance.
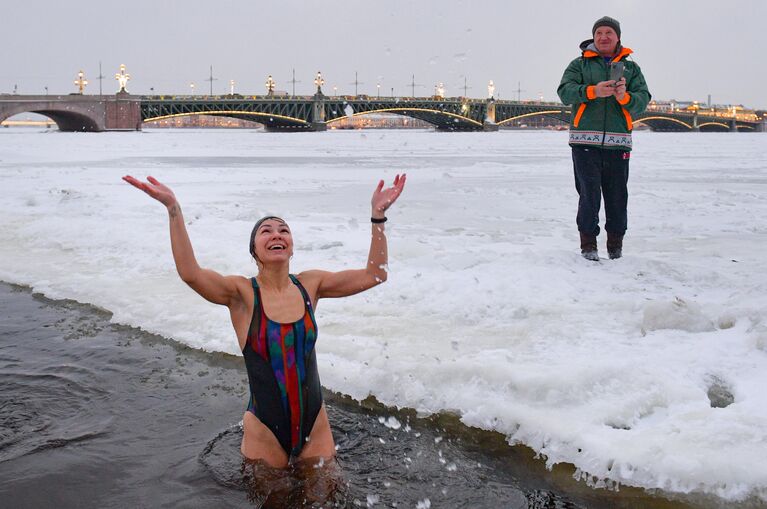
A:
(601, 173)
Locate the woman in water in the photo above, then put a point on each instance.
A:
(273, 318)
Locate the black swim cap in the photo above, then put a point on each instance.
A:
(255, 229)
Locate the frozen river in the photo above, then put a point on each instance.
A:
(648, 371)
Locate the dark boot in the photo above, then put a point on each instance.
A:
(614, 245)
(589, 247)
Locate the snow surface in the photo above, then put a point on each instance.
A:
(489, 310)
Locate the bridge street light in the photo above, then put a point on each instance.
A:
(490, 89)
(122, 79)
(191, 85)
(319, 82)
(378, 94)
(270, 85)
(231, 87)
(81, 83)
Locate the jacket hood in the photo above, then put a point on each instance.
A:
(588, 45)
(589, 50)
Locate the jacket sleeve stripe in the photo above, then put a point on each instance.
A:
(625, 100)
(579, 114)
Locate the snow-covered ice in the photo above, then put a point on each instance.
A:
(489, 310)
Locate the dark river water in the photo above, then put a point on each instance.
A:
(99, 415)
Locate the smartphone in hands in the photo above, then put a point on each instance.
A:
(616, 71)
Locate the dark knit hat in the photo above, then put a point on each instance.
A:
(607, 21)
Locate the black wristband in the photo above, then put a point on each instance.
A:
(375, 220)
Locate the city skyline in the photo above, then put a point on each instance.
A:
(687, 50)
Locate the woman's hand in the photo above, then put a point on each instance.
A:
(349, 282)
(384, 198)
(154, 188)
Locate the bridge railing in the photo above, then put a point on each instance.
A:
(227, 97)
(360, 97)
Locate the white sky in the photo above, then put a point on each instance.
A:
(687, 49)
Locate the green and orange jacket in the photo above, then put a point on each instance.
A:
(602, 121)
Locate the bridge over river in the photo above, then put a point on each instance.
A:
(123, 111)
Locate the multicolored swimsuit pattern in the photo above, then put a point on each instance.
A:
(285, 392)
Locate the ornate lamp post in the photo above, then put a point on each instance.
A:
(270, 85)
(439, 90)
(319, 82)
(231, 87)
(81, 83)
(490, 89)
(122, 79)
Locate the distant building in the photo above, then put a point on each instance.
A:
(203, 121)
(380, 121)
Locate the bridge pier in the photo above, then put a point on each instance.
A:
(122, 112)
(318, 122)
(489, 124)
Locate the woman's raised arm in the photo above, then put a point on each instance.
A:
(349, 282)
(209, 284)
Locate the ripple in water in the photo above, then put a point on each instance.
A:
(47, 409)
(381, 462)
(307, 483)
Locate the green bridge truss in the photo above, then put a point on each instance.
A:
(316, 113)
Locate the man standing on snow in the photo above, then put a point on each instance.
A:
(600, 132)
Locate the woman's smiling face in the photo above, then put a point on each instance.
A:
(273, 241)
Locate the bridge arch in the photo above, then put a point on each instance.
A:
(268, 119)
(714, 126)
(662, 123)
(545, 113)
(438, 118)
(66, 119)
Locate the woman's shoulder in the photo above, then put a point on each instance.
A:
(310, 277)
(241, 283)
(311, 280)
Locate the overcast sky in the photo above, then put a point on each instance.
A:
(687, 49)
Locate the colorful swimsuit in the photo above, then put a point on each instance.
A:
(285, 391)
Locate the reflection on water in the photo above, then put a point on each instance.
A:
(307, 483)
